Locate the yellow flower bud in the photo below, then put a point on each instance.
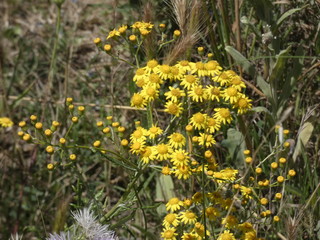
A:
(124, 142)
(62, 140)
(55, 124)
(246, 152)
(144, 32)
(97, 143)
(280, 179)
(266, 183)
(97, 40)
(81, 108)
(49, 149)
(38, 125)
(292, 173)
(22, 124)
(264, 201)
(74, 119)
(189, 128)
(137, 123)
(274, 165)
(176, 33)
(210, 55)
(107, 47)
(187, 202)
(248, 160)
(50, 166)
(263, 214)
(73, 157)
(99, 124)
(200, 49)
(195, 139)
(26, 137)
(286, 131)
(69, 100)
(286, 144)
(115, 124)
(258, 170)
(278, 196)
(121, 129)
(48, 132)
(20, 133)
(208, 154)
(276, 219)
(209, 173)
(132, 38)
(33, 117)
(165, 170)
(282, 160)
(236, 186)
(106, 130)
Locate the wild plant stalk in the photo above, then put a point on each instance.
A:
(53, 59)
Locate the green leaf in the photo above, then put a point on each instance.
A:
(303, 138)
(235, 144)
(263, 9)
(293, 75)
(286, 15)
(241, 60)
(278, 67)
(164, 191)
(294, 190)
(244, 20)
(260, 109)
(264, 86)
(164, 188)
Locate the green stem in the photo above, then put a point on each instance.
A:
(124, 196)
(54, 50)
(203, 200)
(143, 213)
(149, 115)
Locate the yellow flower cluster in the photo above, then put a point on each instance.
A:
(196, 81)
(187, 84)
(138, 32)
(187, 215)
(36, 133)
(5, 122)
(143, 27)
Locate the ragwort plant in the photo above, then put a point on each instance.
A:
(189, 106)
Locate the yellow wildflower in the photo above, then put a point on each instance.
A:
(113, 33)
(188, 217)
(174, 108)
(174, 204)
(223, 115)
(5, 122)
(177, 140)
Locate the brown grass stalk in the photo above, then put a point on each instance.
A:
(188, 15)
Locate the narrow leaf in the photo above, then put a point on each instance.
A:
(241, 60)
(286, 15)
(264, 86)
(303, 138)
(278, 67)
